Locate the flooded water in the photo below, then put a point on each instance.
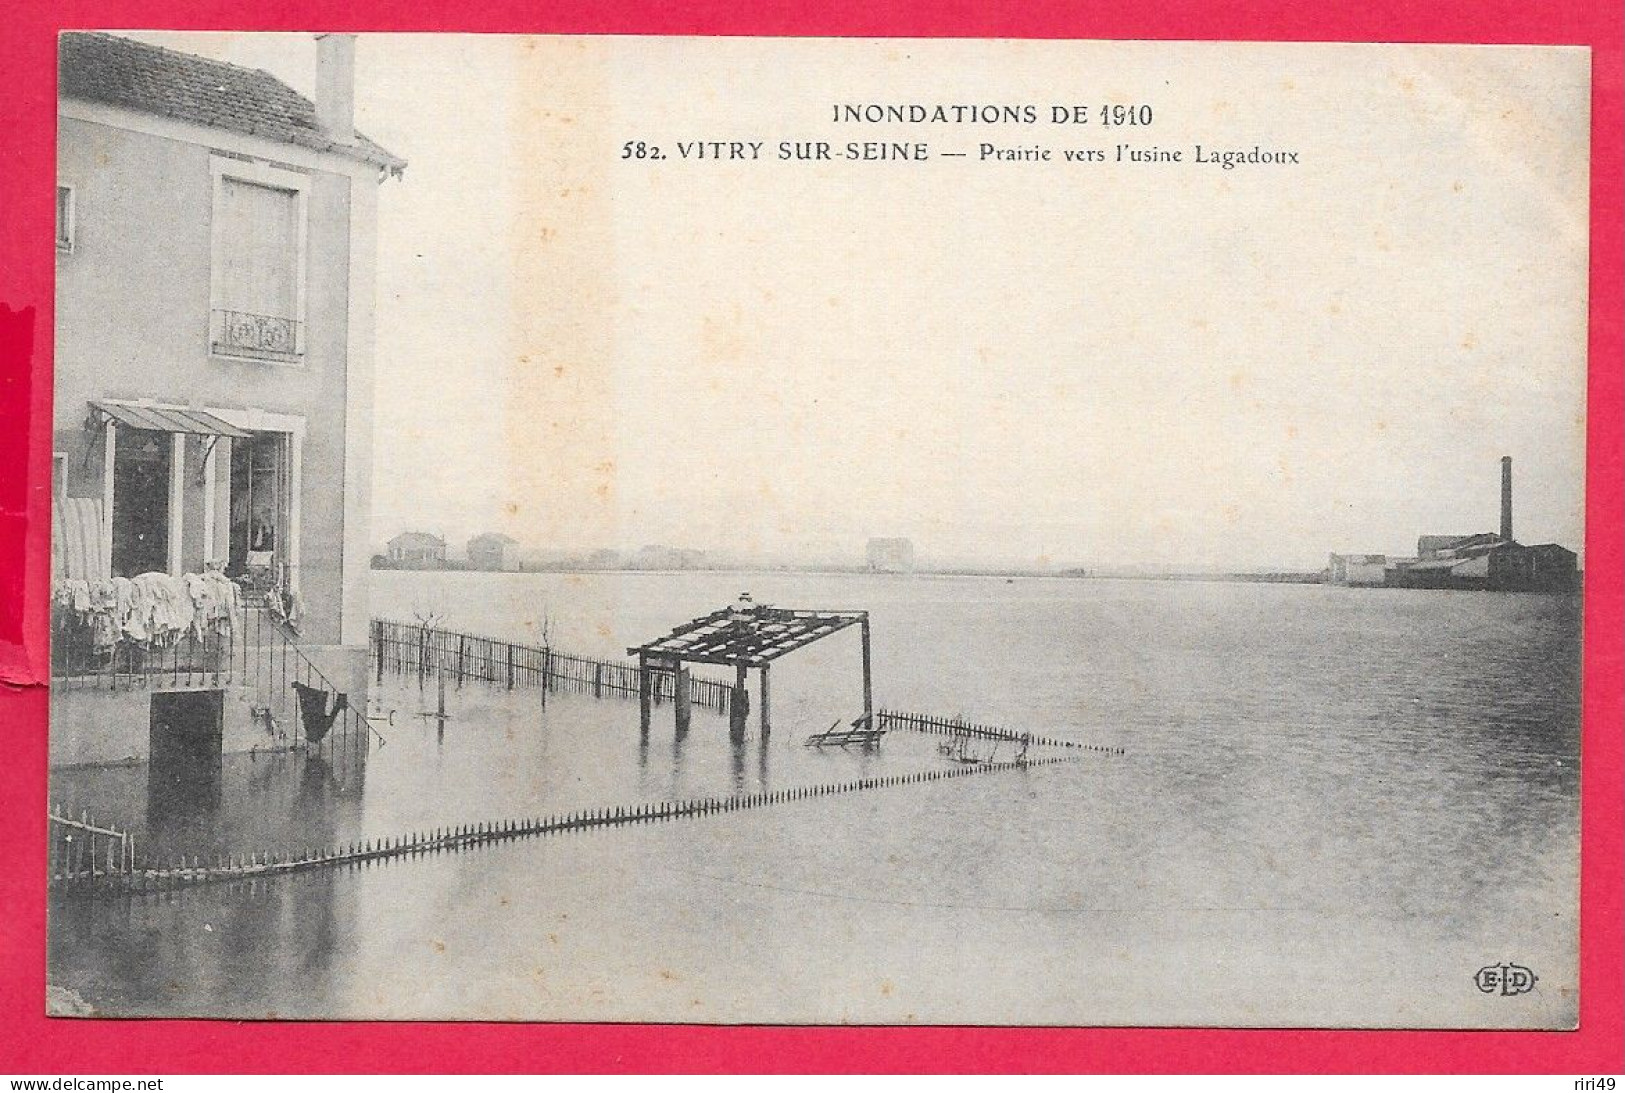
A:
(1334, 806)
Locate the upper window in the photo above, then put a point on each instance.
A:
(258, 282)
(64, 218)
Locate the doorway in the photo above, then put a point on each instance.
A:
(259, 508)
(141, 471)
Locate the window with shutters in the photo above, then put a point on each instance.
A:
(257, 311)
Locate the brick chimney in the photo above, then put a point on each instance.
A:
(335, 86)
(1506, 498)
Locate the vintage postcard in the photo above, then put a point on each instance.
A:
(817, 531)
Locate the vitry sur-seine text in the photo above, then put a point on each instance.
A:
(1226, 156)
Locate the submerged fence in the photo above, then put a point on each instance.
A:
(186, 871)
(953, 726)
(85, 850)
(414, 649)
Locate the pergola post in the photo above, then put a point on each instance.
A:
(680, 698)
(767, 704)
(738, 704)
(868, 684)
(645, 693)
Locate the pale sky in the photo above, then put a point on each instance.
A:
(1005, 362)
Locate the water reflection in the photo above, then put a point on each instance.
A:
(1314, 785)
(183, 797)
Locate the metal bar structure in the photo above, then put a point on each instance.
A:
(750, 636)
(845, 736)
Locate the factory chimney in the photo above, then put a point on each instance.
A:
(1506, 498)
(335, 86)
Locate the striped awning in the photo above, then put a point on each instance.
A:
(160, 419)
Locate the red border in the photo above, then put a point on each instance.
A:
(31, 1043)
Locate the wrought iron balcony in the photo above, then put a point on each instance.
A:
(244, 334)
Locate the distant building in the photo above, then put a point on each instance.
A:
(492, 551)
(417, 550)
(546, 558)
(655, 556)
(891, 555)
(1357, 569)
(1487, 561)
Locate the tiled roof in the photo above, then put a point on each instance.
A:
(123, 72)
(417, 538)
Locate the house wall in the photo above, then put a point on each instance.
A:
(361, 272)
(1357, 569)
(1366, 573)
(418, 555)
(487, 556)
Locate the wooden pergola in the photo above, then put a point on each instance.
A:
(745, 638)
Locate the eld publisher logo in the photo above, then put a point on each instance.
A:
(1505, 979)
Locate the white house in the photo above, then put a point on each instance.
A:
(216, 250)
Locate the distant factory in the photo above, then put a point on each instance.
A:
(1485, 561)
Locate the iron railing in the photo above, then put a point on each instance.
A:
(81, 658)
(257, 653)
(428, 652)
(243, 333)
